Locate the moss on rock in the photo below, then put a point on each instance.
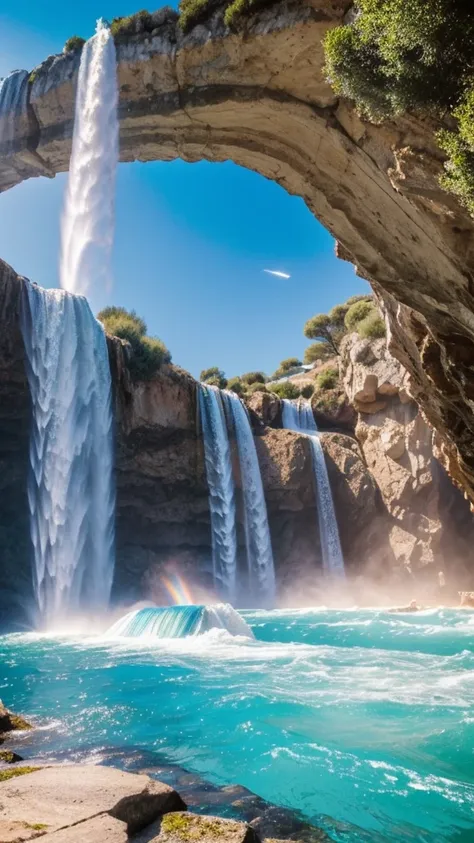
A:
(5, 775)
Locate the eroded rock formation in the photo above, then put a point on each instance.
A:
(399, 449)
(259, 98)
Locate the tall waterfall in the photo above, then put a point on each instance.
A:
(218, 411)
(299, 416)
(261, 569)
(221, 491)
(70, 489)
(88, 218)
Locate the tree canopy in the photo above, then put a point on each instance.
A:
(412, 55)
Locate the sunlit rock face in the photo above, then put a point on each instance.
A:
(259, 97)
(400, 451)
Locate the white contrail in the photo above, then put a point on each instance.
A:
(277, 273)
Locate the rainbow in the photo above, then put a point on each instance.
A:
(178, 590)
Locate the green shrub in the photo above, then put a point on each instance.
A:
(286, 389)
(372, 327)
(307, 390)
(74, 43)
(214, 376)
(317, 352)
(253, 377)
(256, 387)
(412, 55)
(236, 385)
(193, 11)
(132, 24)
(148, 353)
(356, 313)
(328, 379)
(322, 328)
(286, 366)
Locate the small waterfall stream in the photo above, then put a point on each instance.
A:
(221, 491)
(70, 490)
(180, 622)
(13, 109)
(219, 411)
(298, 416)
(261, 568)
(89, 215)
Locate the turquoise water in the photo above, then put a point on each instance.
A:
(361, 720)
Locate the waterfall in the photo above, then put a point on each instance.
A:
(298, 416)
(13, 107)
(70, 490)
(221, 491)
(88, 217)
(261, 569)
(179, 622)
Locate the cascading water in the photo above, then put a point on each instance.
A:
(257, 534)
(88, 217)
(13, 108)
(300, 418)
(70, 490)
(180, 622)
(71, 494)
(221, 491)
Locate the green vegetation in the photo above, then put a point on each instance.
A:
(189, 828)
(412, 55)
(316, 353)
(286, 389)
(193, 11)
(75, 42)
(327, 379)
(253, 377)
(148, 353)
(322, 328)
(214, 377)
(356, 313)
(286, 367)
(236, 385)
(5, 775)
(256, 387)
(132, 24)
(372, 327)
(307, 390)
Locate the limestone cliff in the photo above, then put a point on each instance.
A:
(258, 96)
(399, 449)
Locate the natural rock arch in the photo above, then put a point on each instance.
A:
(259, 98)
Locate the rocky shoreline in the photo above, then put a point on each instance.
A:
(89, 803)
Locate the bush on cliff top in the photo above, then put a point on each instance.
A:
(75, 42)
(193, 11)
(214, 377)
(412, 55)
(148, 353)
(372, 327)
(236, 385)
(285, 390)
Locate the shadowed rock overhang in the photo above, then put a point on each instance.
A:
(258, 96)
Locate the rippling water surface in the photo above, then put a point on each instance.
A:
(362, 720)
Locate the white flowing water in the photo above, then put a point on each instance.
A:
(88, 218)
(261, 570)
(221, 491)
(70, 489)
(298, 416)
(13, 109)
(180, 622)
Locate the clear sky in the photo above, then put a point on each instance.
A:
(192, 240)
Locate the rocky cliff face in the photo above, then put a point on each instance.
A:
(399, 449)
(259, 98)
(162, 512)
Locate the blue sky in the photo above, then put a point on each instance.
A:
(192, 240)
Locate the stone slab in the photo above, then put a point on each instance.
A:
(182, 827)
(65, 795)
(101, 829)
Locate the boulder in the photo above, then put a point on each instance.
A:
(392, 438)
(59, 797)
(9, 757)
(183, 827)
(100, 829)
(265, 405)
(10, 722)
